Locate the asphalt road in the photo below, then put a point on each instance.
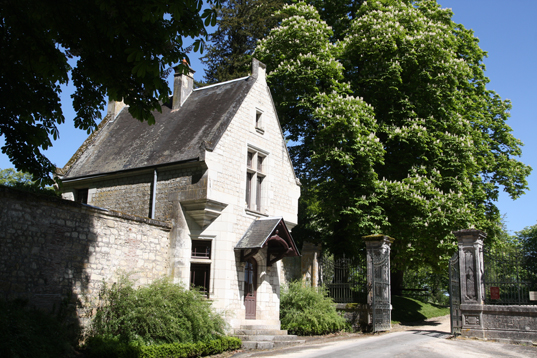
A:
(430, 341)
(415, 344)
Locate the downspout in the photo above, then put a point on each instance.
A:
(154, 193)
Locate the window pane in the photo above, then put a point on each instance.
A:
(258, 120)
(258, 193)
(250, 159)
(82, 196)
(199, 277)
(249, 190)
(201, 249)
(260, 163)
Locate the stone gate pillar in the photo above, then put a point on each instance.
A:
(471, 265)
(378, 280)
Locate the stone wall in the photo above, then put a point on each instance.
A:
(130, 194)
(517, 324)
(511, 323)
(53, 249)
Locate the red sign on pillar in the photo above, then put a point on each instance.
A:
(494, 293)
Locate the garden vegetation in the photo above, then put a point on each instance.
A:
(158, 320)
(308, 310)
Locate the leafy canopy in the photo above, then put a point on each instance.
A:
(122, 49)
(23, 181)
(393, 129)
(240, 24)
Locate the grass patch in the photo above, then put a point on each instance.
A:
(410, 310)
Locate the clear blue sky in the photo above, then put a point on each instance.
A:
(506, 30)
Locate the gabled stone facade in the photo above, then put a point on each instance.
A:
(214, 162)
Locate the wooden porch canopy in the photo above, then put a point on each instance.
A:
(268, 232)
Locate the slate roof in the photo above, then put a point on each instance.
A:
(260, 231)
(126, 143)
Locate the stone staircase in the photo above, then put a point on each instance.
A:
(265, 337)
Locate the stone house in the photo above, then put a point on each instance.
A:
(215, 165)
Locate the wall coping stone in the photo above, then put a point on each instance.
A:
(531, 309)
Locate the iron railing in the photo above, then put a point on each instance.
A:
(509, 277)
(344, 278)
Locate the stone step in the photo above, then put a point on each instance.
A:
(266, 338)
(289, 343)
(244, 337)
(260, 326)
(289, 337)
(249, 345)
(261, 332)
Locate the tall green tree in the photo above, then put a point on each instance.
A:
(122, 49)
(24, 181)
(528, 240)
(338, 14)
(240, 24)
(334, 146)
(445, 149)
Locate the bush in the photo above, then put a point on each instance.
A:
(159, 313)
(308, 310)
(28, 332)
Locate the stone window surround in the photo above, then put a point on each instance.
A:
(259, 121)
(253, 172)
(210, 261)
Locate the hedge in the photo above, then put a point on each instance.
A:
(100, 348)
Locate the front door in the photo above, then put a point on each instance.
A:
(250, 283)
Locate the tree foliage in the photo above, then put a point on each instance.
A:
(394, 130)
(240, 24)
(23, 181)
(122, 49)
(528, 240)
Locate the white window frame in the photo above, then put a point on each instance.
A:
(256, 179)
(209, 261)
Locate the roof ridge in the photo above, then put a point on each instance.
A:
(221, 83)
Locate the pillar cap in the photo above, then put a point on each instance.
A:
(378, 237)
(465, 232)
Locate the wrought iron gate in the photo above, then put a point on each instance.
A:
(380, 286)
(455, 294)
(344, 278)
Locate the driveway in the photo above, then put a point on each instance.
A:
(430, 339)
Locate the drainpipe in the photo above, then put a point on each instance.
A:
(154, 193)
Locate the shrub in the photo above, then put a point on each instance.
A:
(308, 310)
(159, 313)
(29, 332)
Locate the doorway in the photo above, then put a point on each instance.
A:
(250, 288)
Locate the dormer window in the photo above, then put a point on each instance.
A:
(259, 121)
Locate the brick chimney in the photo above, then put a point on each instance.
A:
(182, 86)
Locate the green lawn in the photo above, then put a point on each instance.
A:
(410, 310)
